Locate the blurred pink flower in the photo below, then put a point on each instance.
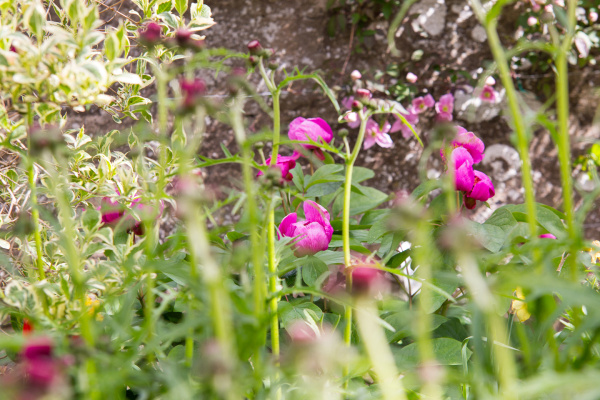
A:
(313, 234)
(150, 34)
(366, 280)
(462, 162)
(40, 366)
(547, 236)
(116, 214)
(483, 190)
(445, 104)
(444, 107)
(352, 117)
(191, 90)
(355, 75)
(412, 118)
(411, 78)
(377, 134)
(421, 104)
(285, 164)
(315, 129)
(488, 94)
(470, 142)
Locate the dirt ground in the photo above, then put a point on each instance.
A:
(451, 40)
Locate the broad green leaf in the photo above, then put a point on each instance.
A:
(298, 309)
(446, 352)
(313, 268)
(327, 173)
(181, 6)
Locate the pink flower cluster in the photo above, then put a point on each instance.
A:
(378, 133)
(467, 150)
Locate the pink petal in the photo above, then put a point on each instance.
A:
(314, 212)
(483, 188)
(311, 238)
(384, 140)
(286, 227)
(429, 100)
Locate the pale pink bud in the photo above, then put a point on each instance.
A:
(531, 21)
(490, 81)
(411, 78)
(355, 75)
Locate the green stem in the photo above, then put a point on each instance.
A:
(259, 292)
(564, 147)
(272, 262)
(513, 104)
(350, 160)
(35, 215)
(378, 350)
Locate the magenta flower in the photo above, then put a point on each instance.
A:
(40, 366)
(366, 280)
(315, 129)
(311, 235)
(470, 142)
(285, 164)
(183, 38)
(445, 107)
(376, 133)
(483, 190)
(412, 118)
(462, 162)
(151, 34)
(547, 236)
(488, 94)
(111, 211)
(421, 104)
(192, 90)
(116, 214)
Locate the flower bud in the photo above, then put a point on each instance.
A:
(593, 16)
(253, 61)
(184, 39)
(254, 48)
(272, 66)
(490, 81)
(258, 145)
(356, 106)
(267, 53)
(151, 34)
(531, 21)
(343, 133)
(411, 78)
(363, 95)
(366, 280)
(355, 75)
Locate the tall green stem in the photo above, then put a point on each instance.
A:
(513, 104)
(272, 262)
(350, 160)
(259, 291)
(564, 147)
(35, 214)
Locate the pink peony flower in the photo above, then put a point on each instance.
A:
(377, 134)
(488, 94)
(470, 142)
(315, 129)
(462, 162)
(483, 190)
(311, 235)
(412, 118)
(366, 280)
(421, 104)
(285, 164)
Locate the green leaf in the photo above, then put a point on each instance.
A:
(446, 352)
(181, 6)
(312, 269)
(165, 7)
(327, 173)
(490, 236)
(545, 218)
(298, 309)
